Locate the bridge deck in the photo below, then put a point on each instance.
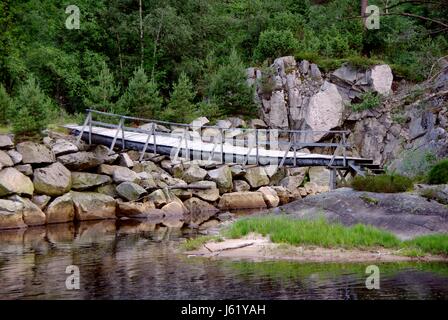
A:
(168, 144)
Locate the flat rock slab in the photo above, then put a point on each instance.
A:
(406, 214)
(229, 244)
(34, 153)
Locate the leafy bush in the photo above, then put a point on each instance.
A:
(369, 101)
(439, 173)
(382, 183)
(32, 109)
(273, 44)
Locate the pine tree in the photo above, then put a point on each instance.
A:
(32, 109)
(5, 104)
(102, 91)
(181, 107)
(228, 88)
(142, 98)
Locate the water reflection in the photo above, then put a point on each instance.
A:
(138, 260)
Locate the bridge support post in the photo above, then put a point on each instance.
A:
(332, 185)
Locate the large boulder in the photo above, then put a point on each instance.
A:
(381, 79)
(11, 216)
(32, 214)
(12, 181)
(84, 180)
(61, 209)
(223, 178)
(6, 141)
(324, 111)
(240, 186)
(15, 156)
(275, 110)
(135, 209)
(256, 177)
(211, 194)
(130, 191)
(41, 200)
(102, 153)
(93, 206)
(54, 180)
(321, 177)
(270, 196)
(199, 211)
(122, 174)
(5, 160)
(283, 194)
(26, 169)
(62, 147)
(161, 197)
(34, 153)
(291, 183)
(194, 174)
(108, 189)
(125, 160)
(80, 161)
(242, 200)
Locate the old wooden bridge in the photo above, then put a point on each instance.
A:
(222, 145)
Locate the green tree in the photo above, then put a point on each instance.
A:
(181, 107)
(102, 90)
(275, 43)
(141, 98)
(5, 104)
(32, 109)
(228, 88)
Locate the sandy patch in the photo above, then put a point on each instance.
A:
(258, 248)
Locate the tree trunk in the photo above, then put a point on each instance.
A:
(140, 9)
(364, 4)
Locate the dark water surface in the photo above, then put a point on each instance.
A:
(137, 261)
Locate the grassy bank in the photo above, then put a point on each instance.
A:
(282, 229)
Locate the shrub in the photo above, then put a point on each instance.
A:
(415, 164)
(439, 173)
(228, 88)
(32, 109)
(274, 43)
(369, 101)
(382, 183)
(181, 107)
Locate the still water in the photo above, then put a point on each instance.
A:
(135, 260)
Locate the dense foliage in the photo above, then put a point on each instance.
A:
(210, 41)
(439, 173)
(387, 183)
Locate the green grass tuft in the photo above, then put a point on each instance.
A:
(285, 230)
(196, 243)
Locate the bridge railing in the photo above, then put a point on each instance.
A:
(251, 138)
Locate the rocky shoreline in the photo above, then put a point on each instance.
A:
(61, 180)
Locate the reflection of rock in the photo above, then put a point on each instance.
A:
(61, 233)
(95, 231)
(174, 215)
(135, 226)
(199, 211)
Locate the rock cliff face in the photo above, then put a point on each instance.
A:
(298, 96)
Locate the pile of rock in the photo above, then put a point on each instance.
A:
(61, 180)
